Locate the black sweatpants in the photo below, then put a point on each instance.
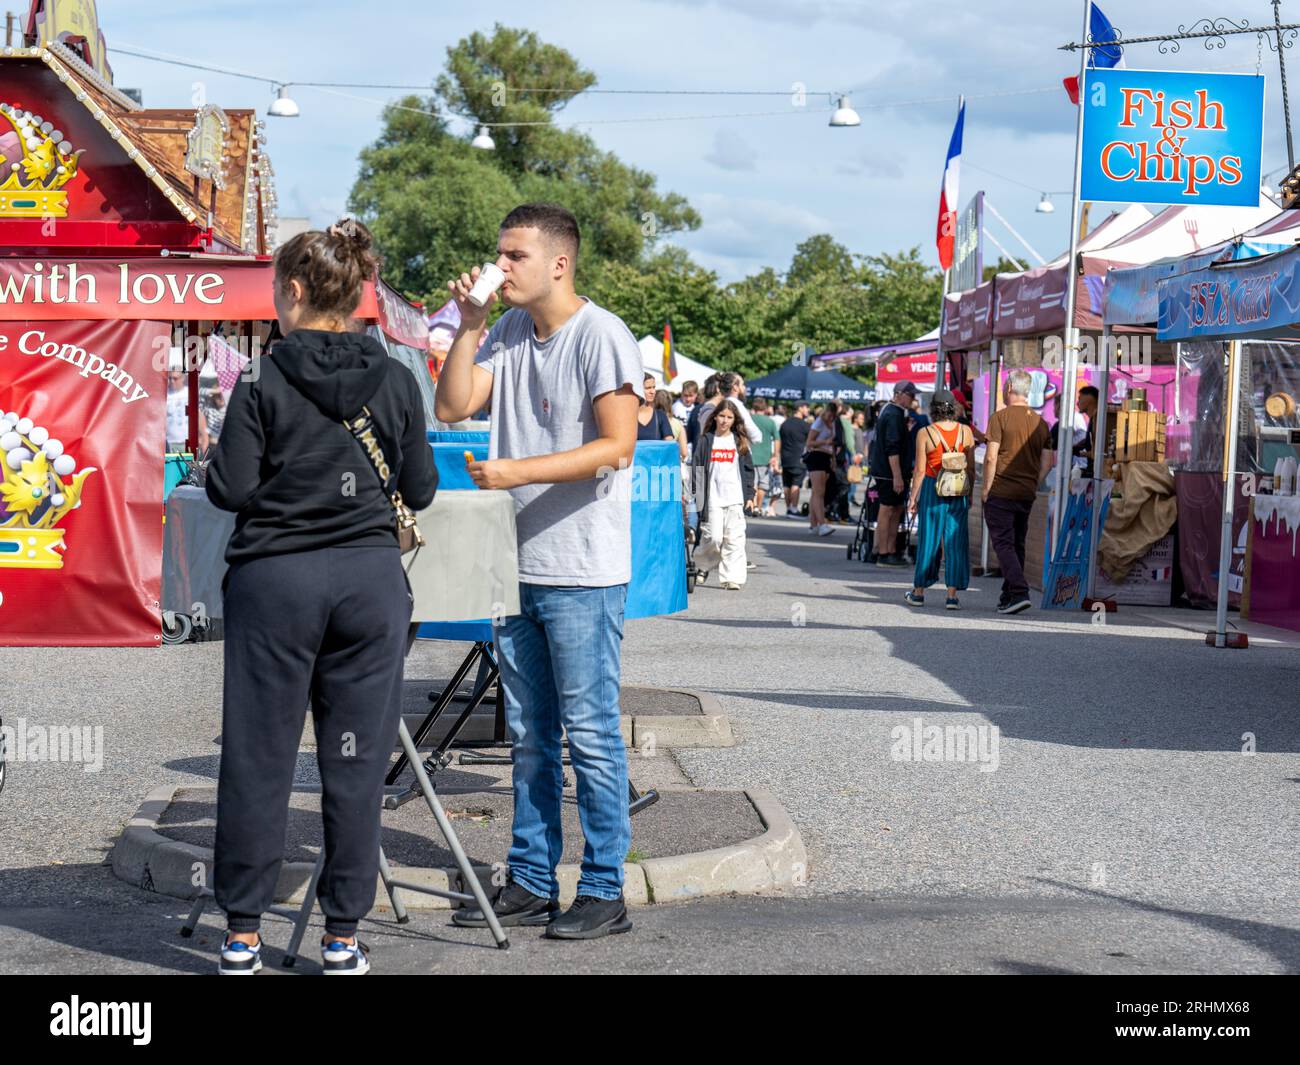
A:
(328, 626)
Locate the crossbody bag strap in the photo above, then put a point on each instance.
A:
(362, 428)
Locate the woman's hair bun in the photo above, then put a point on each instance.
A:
(353, 238)
(332, 265)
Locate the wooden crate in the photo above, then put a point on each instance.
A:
(1139, 436)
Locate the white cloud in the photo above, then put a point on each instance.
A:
(731, 151)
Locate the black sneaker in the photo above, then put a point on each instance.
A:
(891, 560)
(514, 905)
(590, 918)
(1015, 606)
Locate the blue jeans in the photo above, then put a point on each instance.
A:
(560, 659)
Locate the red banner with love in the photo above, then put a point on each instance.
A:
(175, 288)
(82, 426)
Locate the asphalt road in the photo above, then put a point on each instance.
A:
(1122, 830)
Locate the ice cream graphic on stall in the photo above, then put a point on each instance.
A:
(40, 486)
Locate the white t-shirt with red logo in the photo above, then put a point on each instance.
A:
(725, 489)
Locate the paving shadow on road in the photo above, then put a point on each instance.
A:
(1279, 941)
(1088, 688)
(85, 910)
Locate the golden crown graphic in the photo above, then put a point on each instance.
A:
(35, 163)
(38, 490)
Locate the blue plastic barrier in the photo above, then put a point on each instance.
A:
(658, 583)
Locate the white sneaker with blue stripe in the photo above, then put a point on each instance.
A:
(240, 959)
(340, 958)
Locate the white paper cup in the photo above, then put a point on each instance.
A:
(490, 279)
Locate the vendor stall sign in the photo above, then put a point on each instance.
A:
(1158, 136)
(1254, 297)
(81, 481)
(205, 153)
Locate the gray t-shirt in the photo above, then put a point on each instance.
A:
(578, 533)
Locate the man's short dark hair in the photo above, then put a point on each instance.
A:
(689, 386)
(556, 224)
(1090, 390)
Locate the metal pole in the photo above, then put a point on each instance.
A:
(1070, 368)
(1029, 247)
(1281, 66)
(1099, 455)
(1229, 492)
(939, 374)
(990, 406)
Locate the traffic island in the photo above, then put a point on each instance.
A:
(691, 844)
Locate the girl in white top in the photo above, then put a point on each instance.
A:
(725, 487)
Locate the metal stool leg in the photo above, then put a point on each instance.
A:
(196, 914)
(304, 912)
(444, 824)
(399, 910)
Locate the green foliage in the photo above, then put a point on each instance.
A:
(1002, 266)
(435, 205)
(819, 254)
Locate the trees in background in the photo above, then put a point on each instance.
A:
(435, 204)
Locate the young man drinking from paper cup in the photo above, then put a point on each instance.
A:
(561, 375)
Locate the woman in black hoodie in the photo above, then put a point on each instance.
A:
(317, 605)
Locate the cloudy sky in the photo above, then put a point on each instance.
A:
(763, 174)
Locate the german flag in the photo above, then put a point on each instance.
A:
(670, 359)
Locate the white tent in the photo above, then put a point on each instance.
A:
(652, 357)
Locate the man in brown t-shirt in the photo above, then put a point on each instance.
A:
(1016, 462)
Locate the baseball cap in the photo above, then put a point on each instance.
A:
(905, 386)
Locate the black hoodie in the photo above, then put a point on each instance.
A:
(292, 472)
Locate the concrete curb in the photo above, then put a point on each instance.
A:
(774, 861)
(771, 862)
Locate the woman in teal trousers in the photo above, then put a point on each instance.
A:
(941, 520)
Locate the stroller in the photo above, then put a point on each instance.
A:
(691, 571)
(864, 533)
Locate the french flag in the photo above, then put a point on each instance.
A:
(1099, 29)
(947, 231)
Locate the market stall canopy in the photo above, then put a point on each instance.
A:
(652, 358)
(114, 174)
(1033, 303)
(1131, 298)
(924, 347)
(968, 316)
(804, 383)
(1257, 297)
